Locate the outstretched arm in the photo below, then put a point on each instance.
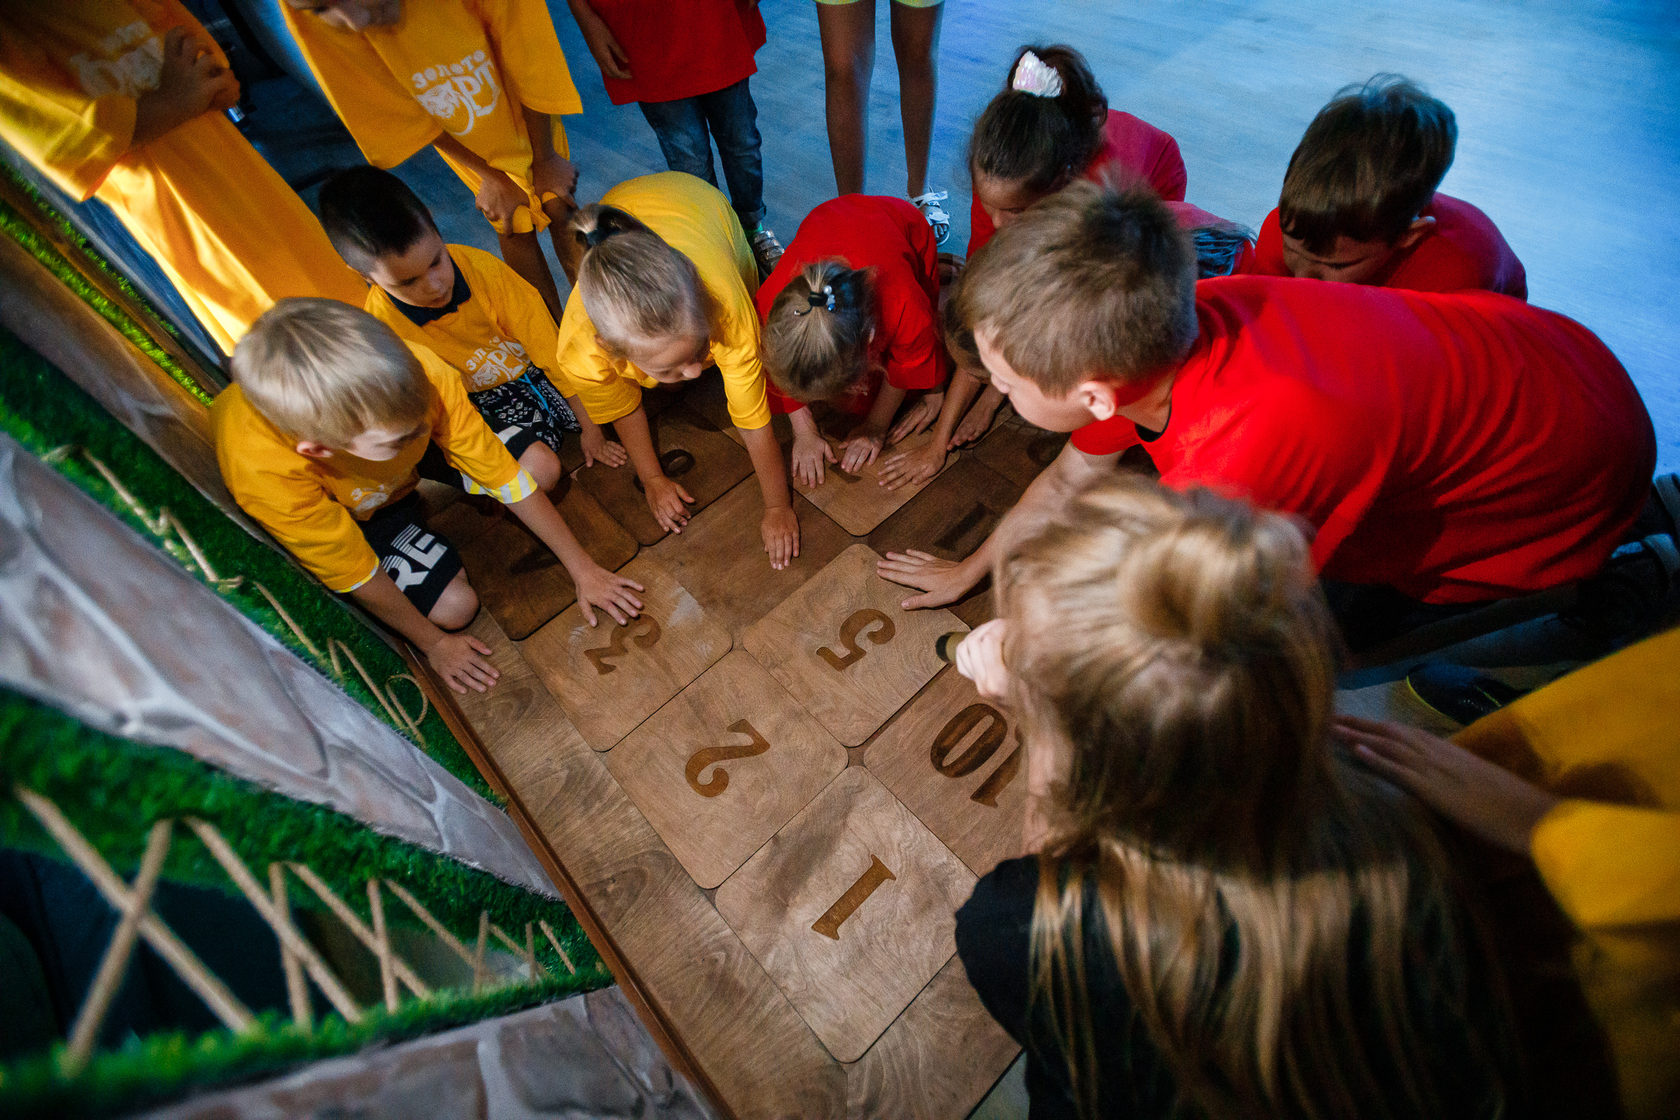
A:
(596, 587)
(780, 525)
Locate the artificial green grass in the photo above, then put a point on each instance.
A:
(46, 411)
(113, 789)
(23, 230)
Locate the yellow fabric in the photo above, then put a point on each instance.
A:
(311, 505)
(226, 230)
(697, 221)
(462, 66)
(490, 338)
(1607, 738)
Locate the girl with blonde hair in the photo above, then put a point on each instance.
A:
(1225, 917)
(665, 293)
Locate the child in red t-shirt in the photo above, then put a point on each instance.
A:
(687, 67)
(1448, 449)
(851, 317)
(1359, 202)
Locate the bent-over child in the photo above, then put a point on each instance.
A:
(665, 293)
(320, 439)
(1360, 203)
(851, 318)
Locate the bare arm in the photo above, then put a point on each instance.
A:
(191, 82)
(609, 56)
(906, 468)
(460, 659)
(942, 581)
(810, 449)
(551, 172)
(865, 441)
(780, 526)
(596, 587)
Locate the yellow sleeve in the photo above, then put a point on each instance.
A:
(467, 441)
(1610, 866)
(534, 67)
(582, 367)
(69, 137)
(737, 358)
(388, 124)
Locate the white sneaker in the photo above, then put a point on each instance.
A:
(929, 205)
(767, 250)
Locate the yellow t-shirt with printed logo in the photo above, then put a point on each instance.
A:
(312, 505)
(696, 220)
(229, 233)
(465, 67)
(491, 336)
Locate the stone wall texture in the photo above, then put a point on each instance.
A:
(95, 621)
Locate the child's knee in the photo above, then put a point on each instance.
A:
(456, 607)
(543, 464)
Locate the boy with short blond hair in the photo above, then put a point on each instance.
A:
(1448, 449)
(1360, 203)
(469, 308)
(320, 440)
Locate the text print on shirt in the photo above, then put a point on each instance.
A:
(502, 360)
(126, 74)
(459, 93)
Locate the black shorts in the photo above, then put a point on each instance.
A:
(521, 412)
(420, 561)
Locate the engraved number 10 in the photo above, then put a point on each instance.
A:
(978, 753)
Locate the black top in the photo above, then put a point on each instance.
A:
(993, 940)
(420, 316)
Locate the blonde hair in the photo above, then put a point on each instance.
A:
(637, 290)
(816, 337)
(322, 370)
(1255, 888)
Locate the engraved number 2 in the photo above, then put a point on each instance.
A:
(978, 753)
(644, 631)
(708, 756)
(858, 623)
(829, 924)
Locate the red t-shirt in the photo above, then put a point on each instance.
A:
(1457, 447)
(1465, 250)
(683, 49)
(891, 236)
(1131, 149)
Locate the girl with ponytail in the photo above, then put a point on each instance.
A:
(664, 294)
(851, 318)
(1225, 915)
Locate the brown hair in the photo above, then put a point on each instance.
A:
(1368, 164)
(1038, 142)
(635, 287)
(1265, 901)
(816, 337)
(1091, 281)
(369, 213)
(318, 369)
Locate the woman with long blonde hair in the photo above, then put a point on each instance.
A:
(1225, 917)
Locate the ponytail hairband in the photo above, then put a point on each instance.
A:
(1035, 76)
(823, 299)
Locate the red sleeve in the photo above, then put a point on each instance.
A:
(1142, 151)
(1267, 258)
(980, 227)
(1106, 437)
(914, 356)
(780, 403)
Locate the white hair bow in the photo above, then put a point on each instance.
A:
(1033, 75)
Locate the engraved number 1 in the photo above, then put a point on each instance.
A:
(829, 924)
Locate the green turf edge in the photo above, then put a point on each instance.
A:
(112, 789)
(45, 411)
(24, 231)
(163, 1067)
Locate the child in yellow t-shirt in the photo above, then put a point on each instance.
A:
(475, 312)
(664, 293)
(123, 100)
(483, 81)
(320, 440)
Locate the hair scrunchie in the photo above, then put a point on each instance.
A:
(1035, 76)
(823, 299)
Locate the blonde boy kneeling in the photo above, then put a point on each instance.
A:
(320, 441)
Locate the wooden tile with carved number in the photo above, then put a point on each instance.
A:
(957, 762)
(857, 501)
(851, 909)
(693, 451)
(610, 678)
(843, 646)
(518, 578)
(728, 761)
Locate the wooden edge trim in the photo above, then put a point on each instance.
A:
(647, 1008)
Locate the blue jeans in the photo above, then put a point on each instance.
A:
(686, 129)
